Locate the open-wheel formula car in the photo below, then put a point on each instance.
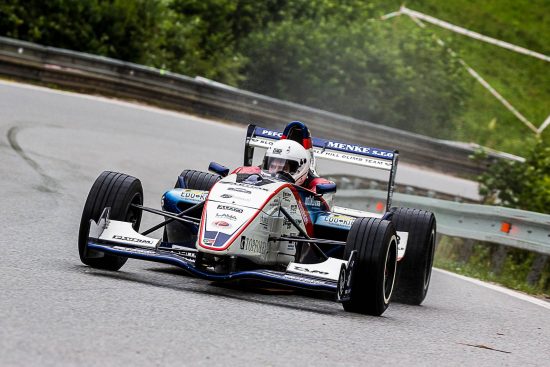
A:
(256, 225)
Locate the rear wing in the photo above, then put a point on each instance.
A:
(328, 149)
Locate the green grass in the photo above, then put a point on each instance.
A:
(523, 80)
(480, 264)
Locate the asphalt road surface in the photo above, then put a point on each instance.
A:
(54, 311)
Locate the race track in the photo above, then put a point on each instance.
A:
(56, 312)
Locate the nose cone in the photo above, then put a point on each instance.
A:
(222, 223)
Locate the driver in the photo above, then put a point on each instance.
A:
(287, 156)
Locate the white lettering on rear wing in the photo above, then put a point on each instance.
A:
(336, 151)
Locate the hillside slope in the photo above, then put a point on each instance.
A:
(523, 80)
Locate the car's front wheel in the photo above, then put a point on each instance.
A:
(373, 274)
(116, 191)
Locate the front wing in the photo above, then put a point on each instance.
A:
(186, 262)
(119, 238)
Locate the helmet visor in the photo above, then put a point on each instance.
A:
(273, 165)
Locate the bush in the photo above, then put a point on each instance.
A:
(378, 71)
(520, 185)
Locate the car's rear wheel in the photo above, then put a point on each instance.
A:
(118, 192)
(373, 275)
(415, 269)
(196, 180)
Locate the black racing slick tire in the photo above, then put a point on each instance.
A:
(373, 275)
(196, 180)
(415, 269)
(117, 191)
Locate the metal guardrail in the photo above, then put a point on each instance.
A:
(352, 182)
(516, 228)
(29, 61)
(510, 227)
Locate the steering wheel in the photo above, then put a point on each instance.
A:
(284, 176)
(253, 179)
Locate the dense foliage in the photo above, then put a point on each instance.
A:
(520, 185)
(326, 54)
(364, 69)
(332, 54)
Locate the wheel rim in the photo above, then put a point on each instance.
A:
(429, 260)
(390, 268)
(341, 282)
(133, 214)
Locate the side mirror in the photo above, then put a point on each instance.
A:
(218, 168)
(325, 188)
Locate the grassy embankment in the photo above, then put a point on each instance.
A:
(523, 80)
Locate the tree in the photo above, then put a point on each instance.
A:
(118, 28)
(520, 185)
(366, 69)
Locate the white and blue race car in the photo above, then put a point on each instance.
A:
(246, 225)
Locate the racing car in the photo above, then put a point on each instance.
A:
(251, 224)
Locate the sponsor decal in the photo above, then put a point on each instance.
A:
(274, 203)
(230, 208)
(264, 221)
(310, 271)
(226, 216)
(239, 189)
(340, 220)
(359, 149)
(304, 280)
(310, 201)
(304, 213)
(357, 159)
(208, 241)
(291, 247)
(187, 254)
(132, 239)
(287, 224)
(261, 141)
(352, 158)
(240, 198)
(253, 245)
(293, 209)
(332, 154)
(221, 223)
(135, 250)
(243, 185)
(277, 151)
(271, 133)
(195, 195)
(286, 196)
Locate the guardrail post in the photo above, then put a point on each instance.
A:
(536, 269)
(498, 258)
(465, 250)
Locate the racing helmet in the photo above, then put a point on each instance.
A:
(287, 156)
